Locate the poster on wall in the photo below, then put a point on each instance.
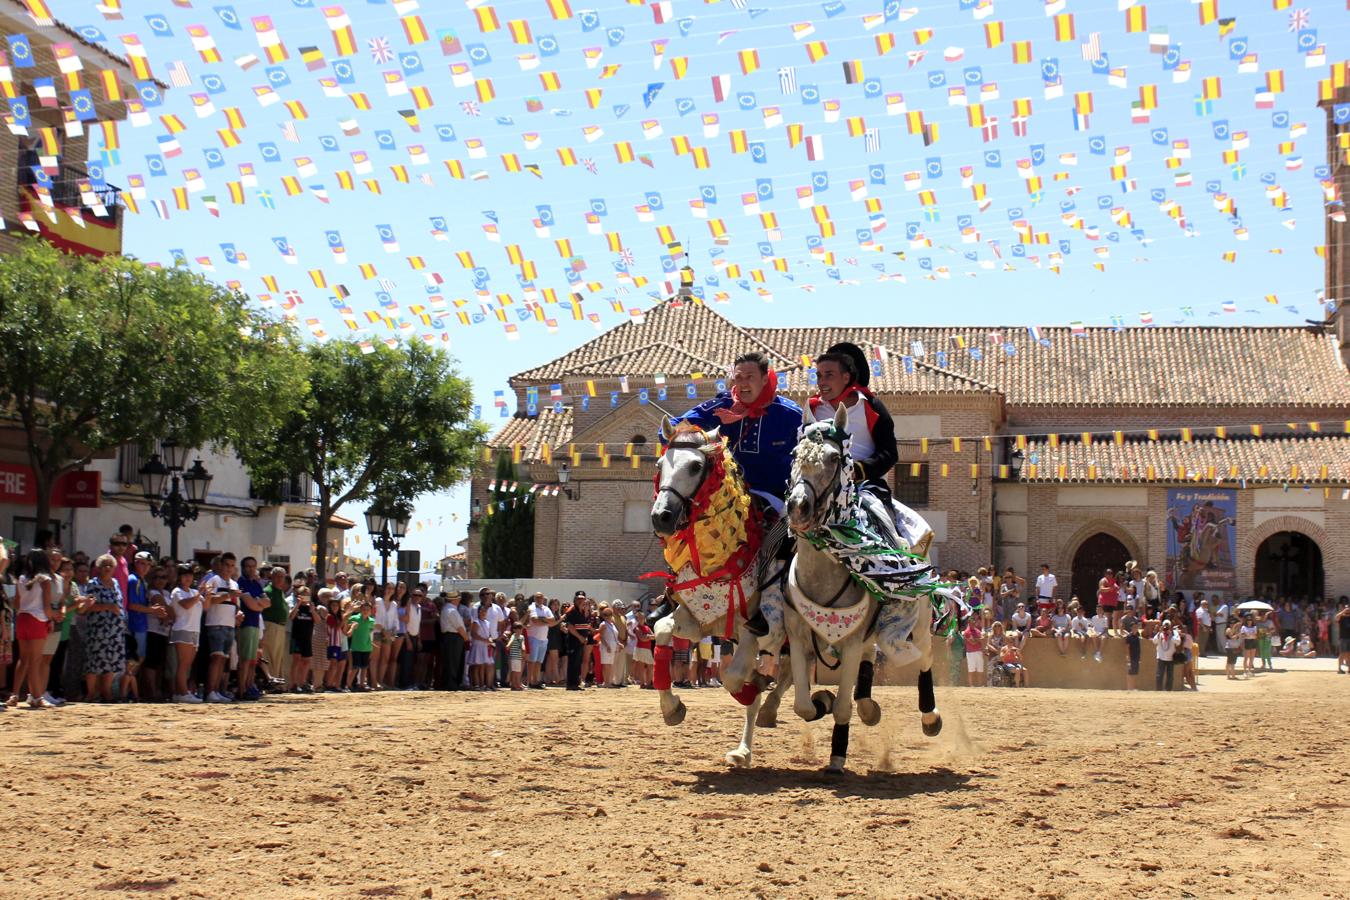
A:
(1201, 539)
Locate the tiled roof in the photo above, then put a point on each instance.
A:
(531, 432)
(1148, 367)
(691, 327)
(1266, 460)
(659, 358)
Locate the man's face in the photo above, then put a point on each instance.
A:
(118, 546)
(279, 577)
(831, 379)
(747, 381)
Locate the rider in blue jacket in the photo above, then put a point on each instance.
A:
(760, 427)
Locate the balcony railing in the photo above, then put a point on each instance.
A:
(66, 193)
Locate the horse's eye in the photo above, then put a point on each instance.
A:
(696, 465)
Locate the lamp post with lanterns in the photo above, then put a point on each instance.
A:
(386, 532)
(186, 493)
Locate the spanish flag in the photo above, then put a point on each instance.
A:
(560, 9)
(520, 31)
(344, 41)
(1021, 52)
(485, 89)
(550, 81)
(749, 60)
(112, 87)
(487, 19)
(885, 43)
(593, 97)
(567, 156)
(816, 50)
(614, 240)
(623, 151)
(1275, 81)
(1148, 96)
(1211, 88)
(739, 143)
(1064, 30)
(1136, 19)
(1209, 11)
(993, 34)
(922, 36)
(360, 101)
(679, 66)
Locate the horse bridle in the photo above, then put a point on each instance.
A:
(835, 479)
(686, 503)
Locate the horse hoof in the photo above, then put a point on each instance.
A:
(823, 701)
(738, 760)
(869, 712)
(766, 718)
(676, 715)
(934, 728)
(836, 766)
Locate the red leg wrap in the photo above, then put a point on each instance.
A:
(661, 674)
(747, 694)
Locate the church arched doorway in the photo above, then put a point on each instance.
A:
(1288, 564)
(1093, 557)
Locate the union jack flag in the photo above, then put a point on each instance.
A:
(1299, 19)
(626, 256)
(471, 107)
(590, 165)
(381, 51)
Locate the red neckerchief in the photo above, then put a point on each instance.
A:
(842, 399)
(755, 408)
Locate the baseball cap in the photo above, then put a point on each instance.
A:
(145, 555)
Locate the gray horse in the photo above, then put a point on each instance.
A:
(827, 604)
(705, 609)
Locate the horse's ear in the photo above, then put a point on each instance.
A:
(807, 419)
(712, 437)
(841, 418)
(664, 430)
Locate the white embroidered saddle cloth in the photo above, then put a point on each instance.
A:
(708, 603)
(833, 625)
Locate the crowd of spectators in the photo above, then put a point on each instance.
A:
(1133, 606)
(125, 626)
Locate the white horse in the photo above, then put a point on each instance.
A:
(828, 604)
(698, 481)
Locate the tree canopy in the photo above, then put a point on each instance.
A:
(508, 529)
(104, 352)
(386, 422)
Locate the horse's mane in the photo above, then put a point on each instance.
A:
(720, 522)
(812, 448)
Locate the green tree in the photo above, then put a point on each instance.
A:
(103, 352)
(389, 423)
(508, 533)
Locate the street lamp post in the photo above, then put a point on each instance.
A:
(386, 532)
(187, 490)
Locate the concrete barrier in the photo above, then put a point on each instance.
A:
(1046, 668)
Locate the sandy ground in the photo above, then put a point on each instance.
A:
(1239, 790)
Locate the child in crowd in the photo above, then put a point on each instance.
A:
(642, 657)
(1010, 657)
(1079, 627)
(1098, 626)
(515, 654)
(360, 637)
(1060, 627)
(973, 636)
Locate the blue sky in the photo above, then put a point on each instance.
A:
(1149, 263)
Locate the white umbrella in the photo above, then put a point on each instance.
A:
(1254, 605)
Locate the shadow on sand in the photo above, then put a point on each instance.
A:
(873, 784)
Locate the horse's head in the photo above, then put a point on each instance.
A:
(679, 475)
(820, 464)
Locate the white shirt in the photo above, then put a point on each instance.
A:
(186, 618)
(1022, 620)
(1221, 614)
(451, 621)
(1166, 646)
(862, 446)
(1202, 614)
(30, 597)
(609, 636)
(539, 632)
(414, 617)
(221, 613)
(1100, 623)
(1045, 586)
(154, 624)
(1078, 625)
